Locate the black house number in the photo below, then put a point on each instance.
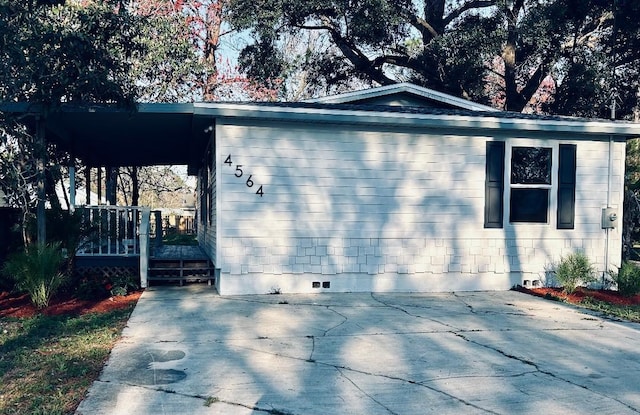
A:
(239, 173)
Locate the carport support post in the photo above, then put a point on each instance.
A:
(159, 231)
(72, 186)
(112, 176)
(87, 181)
(99, 189)
(41, 151)
(144, 246)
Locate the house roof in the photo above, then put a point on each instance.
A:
(163, 133)
(403, 94)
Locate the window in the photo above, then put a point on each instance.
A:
(531, 183)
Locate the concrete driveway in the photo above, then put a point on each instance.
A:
(187, 350)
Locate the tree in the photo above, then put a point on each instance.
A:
(604, 67)
(448, 45)
(185, 62)
(54, 53)
(153, 186)
(170, 70)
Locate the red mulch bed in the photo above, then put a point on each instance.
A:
(19, 305)
(613, 297)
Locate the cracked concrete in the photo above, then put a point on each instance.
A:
(187, 350)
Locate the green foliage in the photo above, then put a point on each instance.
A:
(574, 270)
(170, 70)
(627, 279)
(67, 52)
(92, 288)
(57, 53)
(629, 313)
(175, 238)
(502, 52)
(123, 285)
(37, 271)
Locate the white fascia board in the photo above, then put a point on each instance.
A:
(412, 120)
(402, 87)
(162, 108)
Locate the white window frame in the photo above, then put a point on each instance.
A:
(553, 187)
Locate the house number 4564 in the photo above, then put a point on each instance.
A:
(238, 173)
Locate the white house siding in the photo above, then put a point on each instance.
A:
(364, 210)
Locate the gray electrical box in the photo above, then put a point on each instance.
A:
(609, 218)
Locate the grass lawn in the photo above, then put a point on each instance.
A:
(610, 303)
(624, 312)
(47, 363)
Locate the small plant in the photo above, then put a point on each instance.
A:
(627, 279)
(37, 270)
(92, 287)
(123, 285)
(575, 270)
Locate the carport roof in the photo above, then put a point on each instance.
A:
(150, 134)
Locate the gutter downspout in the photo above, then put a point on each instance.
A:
(607, 230)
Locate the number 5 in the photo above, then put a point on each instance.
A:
(238, 170)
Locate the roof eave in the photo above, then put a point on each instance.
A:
(412, 120)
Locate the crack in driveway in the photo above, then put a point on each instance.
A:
(382, 352)
(544, 372)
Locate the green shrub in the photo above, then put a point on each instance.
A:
(92, 288)
(574, 270)
(627, 279)
(36, 270)
(123, 285)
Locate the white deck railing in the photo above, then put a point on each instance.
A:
(111, 230)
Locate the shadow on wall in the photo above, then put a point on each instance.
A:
(354, 202)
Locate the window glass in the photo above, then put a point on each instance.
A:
(531, 165)
(529, 205)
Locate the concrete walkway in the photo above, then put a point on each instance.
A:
(187, 350)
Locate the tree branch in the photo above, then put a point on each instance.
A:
(474, 4)
(534, 81)
(422, 26)
(355, 55)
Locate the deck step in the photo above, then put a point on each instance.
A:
(181, 270)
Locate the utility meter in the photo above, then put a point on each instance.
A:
(609, 218)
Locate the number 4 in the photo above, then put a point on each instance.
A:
(260, 192)
(228, 160)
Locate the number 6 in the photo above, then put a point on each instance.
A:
(249, 181)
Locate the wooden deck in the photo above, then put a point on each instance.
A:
(178, 252)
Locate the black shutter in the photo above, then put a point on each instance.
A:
(567, 186)
(494, 185)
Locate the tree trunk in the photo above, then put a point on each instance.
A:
(513, 99)
(135, 187)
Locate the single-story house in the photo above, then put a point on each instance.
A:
(401, 188)
(397, 188)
